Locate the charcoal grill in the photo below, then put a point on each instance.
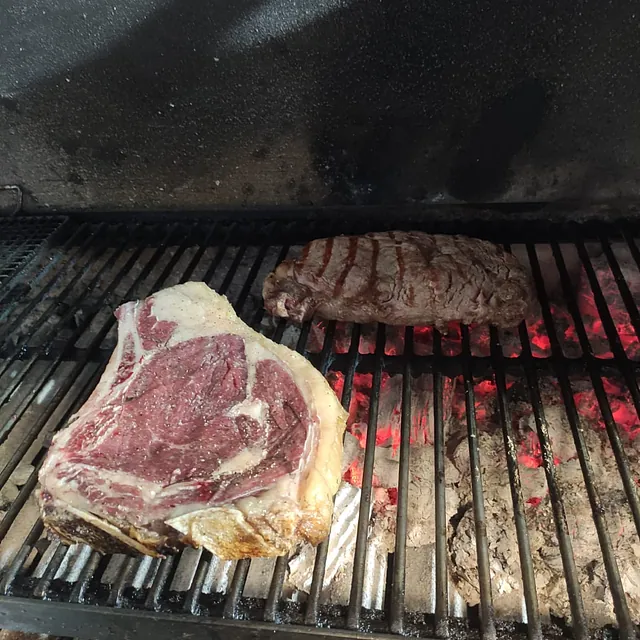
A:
(61, 279)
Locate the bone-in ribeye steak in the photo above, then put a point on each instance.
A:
(401, 278)
(201, 431)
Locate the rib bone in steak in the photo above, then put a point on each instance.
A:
(401, 278)
(201, 431)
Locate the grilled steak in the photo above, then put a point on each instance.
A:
(401, 278)
(201, 431)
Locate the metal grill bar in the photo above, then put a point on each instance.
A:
(117, 589)
(63, 257)
(623, 287)
(80, 588)
(279, 575)
(441, 621)
(161, 580)
(311, 611)
(601, 303)
(237, 585)
(360, 556)
(396, 607)
(534, 626)
(487, 623)
(579, 621)
(596, 380)
(64, 320)
(42, 588)
(617, 590)
(22, 238)
(8, 426)
(21, 556)
(608, 323)
(158, 254)
(627, 629)
(275, 589)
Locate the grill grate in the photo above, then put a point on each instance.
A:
(56, 337)
(21, 239)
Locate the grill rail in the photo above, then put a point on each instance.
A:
(56, 337)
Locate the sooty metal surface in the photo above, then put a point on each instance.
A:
(20, 239)
(57, 335)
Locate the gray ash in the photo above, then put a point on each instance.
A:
(504, 558)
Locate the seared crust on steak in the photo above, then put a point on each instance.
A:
(74, 526)
(401, 278)
(272, 521)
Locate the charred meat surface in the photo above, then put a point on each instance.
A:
(401, 278)
(200, 431)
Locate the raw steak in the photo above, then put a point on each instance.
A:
(201, 431)
(401, 278)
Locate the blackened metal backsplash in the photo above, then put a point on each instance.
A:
(159, 103)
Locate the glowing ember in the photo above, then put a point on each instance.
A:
(485, 387)
(423, 341)
(480, 340)
(355, 475)
(389, 435)
(394, 345)
(389, 409)
(452, 340)
(485, 400)
(342, 338)
(530, 452)
(485, 392)
(540, 343)
(630, 341)
(360, 400)
(368, 334)
(619, 399)
(528, 449)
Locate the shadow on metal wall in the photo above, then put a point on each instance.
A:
(205, 103)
